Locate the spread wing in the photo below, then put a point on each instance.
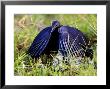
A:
(40, 42)
(71, 41)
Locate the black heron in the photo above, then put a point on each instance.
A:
(69, 41)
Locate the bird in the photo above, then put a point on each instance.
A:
(69, 41)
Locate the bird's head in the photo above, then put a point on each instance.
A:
(55, 24)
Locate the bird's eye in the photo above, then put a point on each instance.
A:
(56, 25)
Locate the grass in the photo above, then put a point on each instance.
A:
(26, 27)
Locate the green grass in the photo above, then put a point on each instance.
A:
(26, 27)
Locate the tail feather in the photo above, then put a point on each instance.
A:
(89, 53)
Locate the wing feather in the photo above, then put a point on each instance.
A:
(40, 42)
(73, 40)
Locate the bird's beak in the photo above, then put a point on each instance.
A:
(52, 29)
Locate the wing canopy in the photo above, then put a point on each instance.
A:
(40, 42)
(71, 42)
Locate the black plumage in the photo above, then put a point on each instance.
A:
(69, 41)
